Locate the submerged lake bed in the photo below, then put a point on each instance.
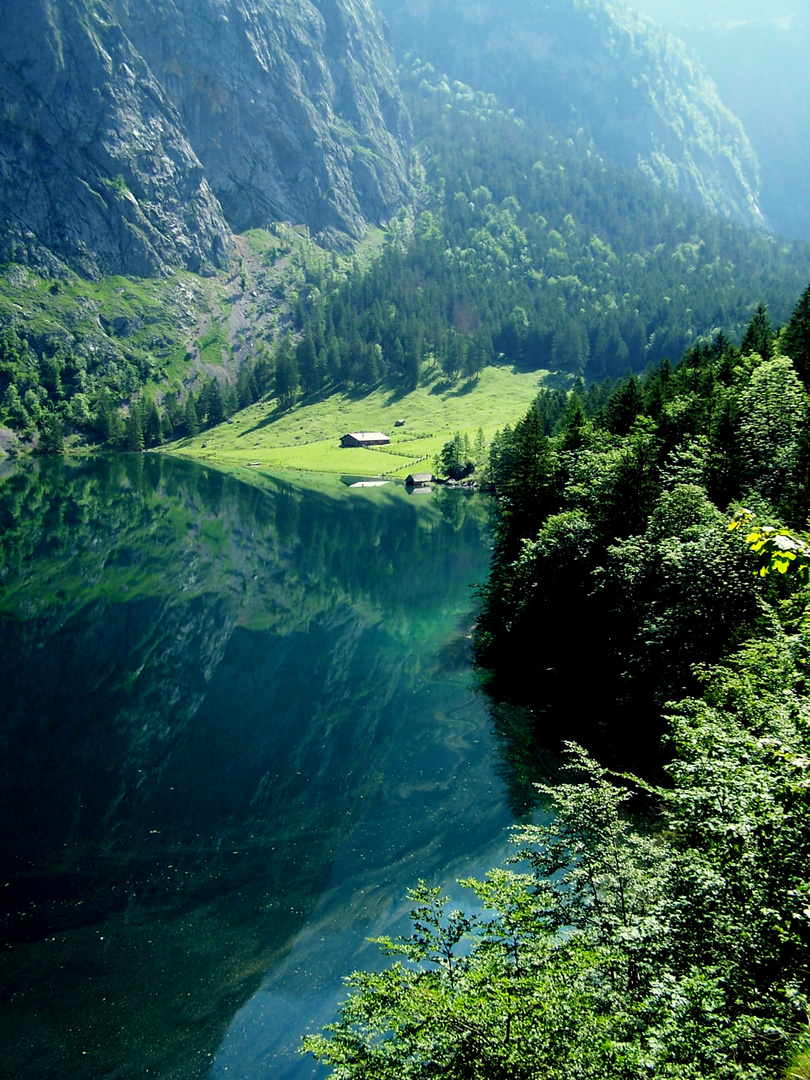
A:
(239, 722)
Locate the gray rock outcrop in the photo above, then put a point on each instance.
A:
(136, 137)
(293, 107)
(95, 171)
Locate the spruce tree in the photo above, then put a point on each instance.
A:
(795, 338)
(51, 440)
(133, 431)
(758, 336)
(191, 420)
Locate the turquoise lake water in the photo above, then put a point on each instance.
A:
(239, 720)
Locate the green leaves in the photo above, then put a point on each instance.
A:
(436, 935)
(620, 951)
(617, 953)
(780, 550)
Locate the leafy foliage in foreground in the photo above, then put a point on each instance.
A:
(653, 929)
(780, 550)
(679, 950)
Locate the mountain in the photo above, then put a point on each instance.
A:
(95, 170)
(758, 58)
(538, 252)
(293, 108)
(592, 66)
(556, 213)
(135, 138)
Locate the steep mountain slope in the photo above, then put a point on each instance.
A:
(534, 250)
(293, 108)
(593, 65)
(757, 55)
(95, 170)
(109, 154)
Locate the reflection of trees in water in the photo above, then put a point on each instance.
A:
(567, 707)
(162, 510)
(180, 794)
(526, 754)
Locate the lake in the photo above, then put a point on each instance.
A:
(239, 720)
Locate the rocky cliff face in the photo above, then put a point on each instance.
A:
(94, 168)
(292, 107)
(134, 137)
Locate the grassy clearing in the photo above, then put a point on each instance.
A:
(307, 437)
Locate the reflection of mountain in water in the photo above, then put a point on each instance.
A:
(207, 687)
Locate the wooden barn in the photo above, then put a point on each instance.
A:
(420, 479)
(365, 438)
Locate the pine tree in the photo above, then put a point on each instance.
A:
(12, 409)
(104, 413)
(412, 366)
(576, 423)
(527, 491)
(624, 406)
(133, 430)
(307, 359)
(286, 377)
(795, 338)
(214, 406)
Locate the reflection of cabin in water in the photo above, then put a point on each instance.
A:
(365, 438)
(420, 479)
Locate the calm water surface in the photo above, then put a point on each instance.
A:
(238, 722)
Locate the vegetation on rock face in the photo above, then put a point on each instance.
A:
(75, 352)
(599, 69)
(529, 249)
(659, 926)
(520, 247)
(184, 349)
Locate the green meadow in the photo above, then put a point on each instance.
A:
(307, 436)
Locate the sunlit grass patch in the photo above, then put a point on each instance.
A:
(419, 424)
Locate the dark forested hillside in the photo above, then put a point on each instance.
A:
(650, 594)
(613, 530)
(529, 248)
